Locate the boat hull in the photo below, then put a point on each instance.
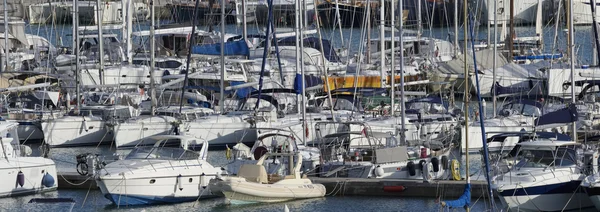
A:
(594, 195)
(76, 131)
(155, 188)
(549, 197)
(33, 169)
(132, 133)
(238, 191)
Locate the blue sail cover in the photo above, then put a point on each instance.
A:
(312, 42)
(531, 89)
(428, 99)
(557, 118)
(463, 201)
(231, 48)
(310, 81)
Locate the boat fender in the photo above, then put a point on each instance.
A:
(411, 168)
(445, 162)
(379, 171)
(20, 179)
(180, 182)
(435, 162)
(427, 171)
(422, 164)
(454, 165)
(48, 180)
(203, 180)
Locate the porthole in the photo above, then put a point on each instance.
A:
(152, 181)
(191, 180)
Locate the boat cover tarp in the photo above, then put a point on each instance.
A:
(231, 48)
(310, 81)
(528, 87)
(557, 118)
(313, 42)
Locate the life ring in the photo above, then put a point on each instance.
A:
(455, 167)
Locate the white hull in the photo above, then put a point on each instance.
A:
(132, 75)
(546, 202)
(145, 182)
(33, 169)
(132, 132)
(76, 131)
(221, 130)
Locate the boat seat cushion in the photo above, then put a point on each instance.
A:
(253, 173)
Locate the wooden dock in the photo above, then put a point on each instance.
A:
(400, 188)
(341, 186)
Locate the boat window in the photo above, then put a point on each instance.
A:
(140, 62)
(565, 156)
(162, 153)
(536, 159)
(341, 104)
(168, 64)
(530, 110)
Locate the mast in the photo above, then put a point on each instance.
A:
(595, 31)
(222, 89)
(76, 50)
(466, 96)
(99, 19)
(317, 21)
(494, 98)
(382, 41)
(152, 61)
(6, 49)
(482, 125)
(572, 58)
(299, 37)
(456, 10)
(339, 20)
(401, 63)
(244, 24)
(189, 55)
(129, 31)
(512, 31)
(368, 58)
(539, 33)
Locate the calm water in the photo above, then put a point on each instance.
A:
(94, 201)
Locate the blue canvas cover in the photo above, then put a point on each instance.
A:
(231, 48)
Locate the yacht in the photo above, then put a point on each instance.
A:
(159, 174)
(23, 174)
(547, 177)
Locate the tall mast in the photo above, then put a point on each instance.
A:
(572, 58)
(192, 41)
(595, 31)
(401, 46)
(368, 58)
(299, 37)
(6, 49)
(152, 60)
(511, 31)
(382, 41)
(466, 96)
(99, 19)
(222, 89)
(244, 24)
(494, 99)
(129, 31)
(76, 50)
(456, 10)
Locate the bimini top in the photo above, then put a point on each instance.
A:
(545, 144)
